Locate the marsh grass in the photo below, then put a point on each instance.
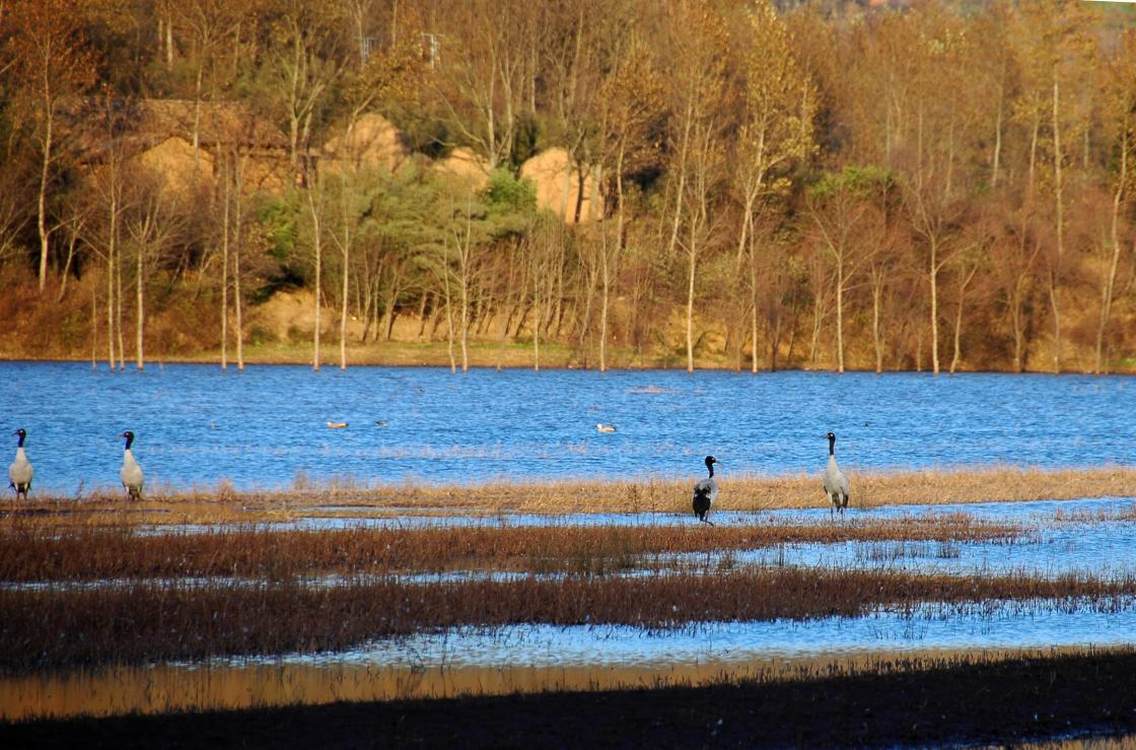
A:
(145, 622)
(346, 496)
(31, 552)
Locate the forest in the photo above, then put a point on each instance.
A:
(823, 184)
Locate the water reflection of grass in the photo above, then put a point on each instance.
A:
(32, 552)
(906, 550)
(53, 629)
(921, 701)
(107, 691)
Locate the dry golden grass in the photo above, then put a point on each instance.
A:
(31, 552)
(143, 622)
(741, 493)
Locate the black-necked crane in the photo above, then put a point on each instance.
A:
(20, 471)
(131, 472)
(835, 483)
(705, 492)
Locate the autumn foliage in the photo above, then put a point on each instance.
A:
(906, 185)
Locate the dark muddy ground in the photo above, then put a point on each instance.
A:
(994, 703)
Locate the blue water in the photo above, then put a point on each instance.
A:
(993, 624)
(262, 428)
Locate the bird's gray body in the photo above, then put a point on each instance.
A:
(20, 474)
(705, 492)
(836, 484)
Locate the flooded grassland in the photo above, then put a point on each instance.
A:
(106, 620)
(499, 566)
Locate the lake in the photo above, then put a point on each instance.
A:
(197, 425)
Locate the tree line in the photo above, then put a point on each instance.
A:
(756, 184)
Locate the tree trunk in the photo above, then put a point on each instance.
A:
(449, 321)
(110, 289)
(997, 160)
(238, 239)
(1109, 282)
(840, 313)
(41, 203)
(690, 307)
(1054, 281)
(71, 242)
(465, 257)
(317, 249)
(94, 327)
(225, 263)
(958, 319)
(933, 277)
(139, 305)
(118, 311)
(753, 305)
(536, 321)
(877, 299)
(344, 292)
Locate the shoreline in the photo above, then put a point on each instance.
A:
(756, 493)
(559, 363)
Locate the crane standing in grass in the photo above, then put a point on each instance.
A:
(705, 492)
(20, 471)
(835, 483)
(131, 472)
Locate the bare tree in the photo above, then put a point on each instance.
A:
(151, 223)
(52, 64)
(776, 132)
(314, 195)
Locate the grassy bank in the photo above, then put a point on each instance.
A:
(667, 495)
